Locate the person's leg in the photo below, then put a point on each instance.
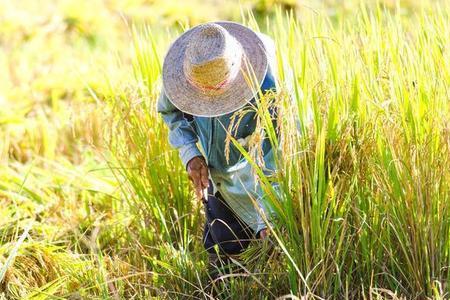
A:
(224, 229)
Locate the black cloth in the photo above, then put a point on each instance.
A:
(223, 227)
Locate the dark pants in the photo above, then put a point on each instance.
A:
(224, 228)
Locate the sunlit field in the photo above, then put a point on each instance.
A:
(95, 204)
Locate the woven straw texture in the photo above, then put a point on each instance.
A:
(184, 80)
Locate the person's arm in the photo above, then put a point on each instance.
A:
(184, 138)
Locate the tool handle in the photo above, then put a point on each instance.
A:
(205, 195)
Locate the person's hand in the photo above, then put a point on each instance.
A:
(198, 174)
(263, 233)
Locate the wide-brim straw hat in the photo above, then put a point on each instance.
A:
(200, 76)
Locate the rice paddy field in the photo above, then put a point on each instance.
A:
(94, 203)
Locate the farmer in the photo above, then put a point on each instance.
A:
(206, 75)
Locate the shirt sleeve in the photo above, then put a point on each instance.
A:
(294, 95)
(182, 135)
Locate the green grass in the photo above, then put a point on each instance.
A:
(94, 204)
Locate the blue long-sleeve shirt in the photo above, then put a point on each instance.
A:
(233, 178)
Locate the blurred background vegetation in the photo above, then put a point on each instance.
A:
(56, 54)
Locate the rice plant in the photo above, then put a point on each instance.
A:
(94, 204)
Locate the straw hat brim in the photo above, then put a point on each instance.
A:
(241, 90)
